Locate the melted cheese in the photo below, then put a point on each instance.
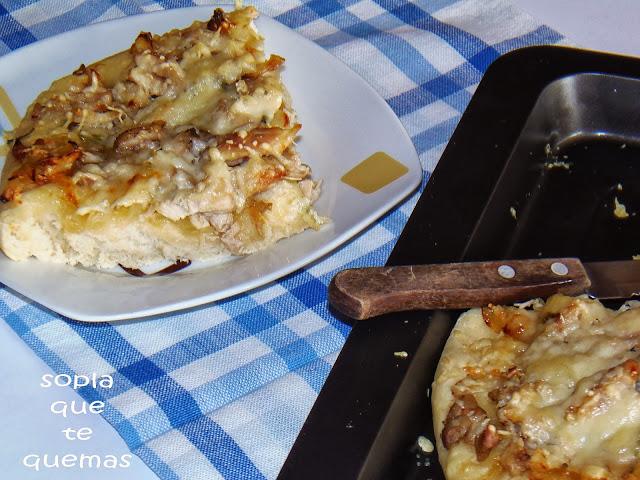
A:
(575, 408)
(159, 128)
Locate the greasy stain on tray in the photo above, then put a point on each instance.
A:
(9, 108)
(374, 172)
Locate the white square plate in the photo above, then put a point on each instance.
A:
(343, 121)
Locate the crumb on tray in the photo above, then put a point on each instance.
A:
(557, 164)
(619, 209)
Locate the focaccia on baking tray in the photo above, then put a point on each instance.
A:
(547, 392)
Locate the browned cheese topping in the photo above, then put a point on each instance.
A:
(192, 127)
(548, 393)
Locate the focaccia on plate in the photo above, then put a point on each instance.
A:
(180, 148)
(545, 393)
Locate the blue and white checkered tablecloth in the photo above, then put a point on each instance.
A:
(222, 391)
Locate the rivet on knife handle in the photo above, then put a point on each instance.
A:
(367, 292)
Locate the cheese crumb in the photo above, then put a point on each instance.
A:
(425, 444)
(557, 164)
(535, 304)
(619, 210)
(513, 213)
(401, 354)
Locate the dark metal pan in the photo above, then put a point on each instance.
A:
(499, 191)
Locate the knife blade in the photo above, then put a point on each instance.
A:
(362, 293)
(617, 279)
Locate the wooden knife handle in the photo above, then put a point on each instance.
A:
(362, 293)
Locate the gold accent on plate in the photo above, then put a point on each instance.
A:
(374, 172)
(9, 108)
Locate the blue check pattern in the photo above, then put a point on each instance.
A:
(221, 391)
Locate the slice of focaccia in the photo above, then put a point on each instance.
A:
(180, 148)
(546, 393)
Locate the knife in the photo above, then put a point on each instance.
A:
(362, 293)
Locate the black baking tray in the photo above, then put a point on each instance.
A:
(548, 142)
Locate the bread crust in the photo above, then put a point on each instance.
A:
(468, 330)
